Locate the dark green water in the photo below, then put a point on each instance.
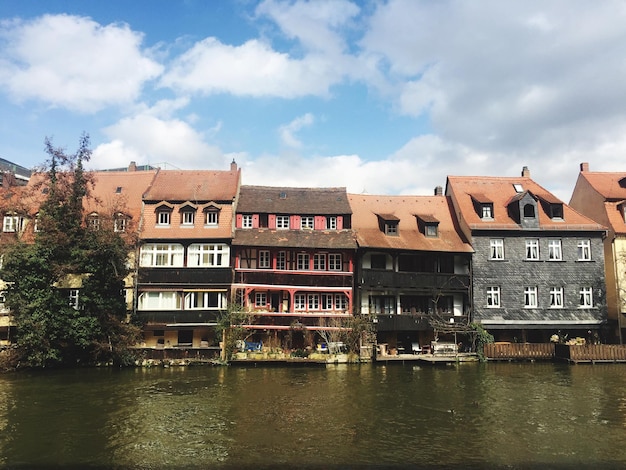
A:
(471, 415)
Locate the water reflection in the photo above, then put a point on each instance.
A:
(510, 415)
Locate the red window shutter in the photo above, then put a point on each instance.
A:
(239, 220)
(339, 222)
(255, 221)
(320, 222)
(271, 221)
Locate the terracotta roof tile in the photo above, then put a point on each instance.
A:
(501, 191)
(331, 239)
(607, 184)
(292, 201)
(365, 223)
(194, 185)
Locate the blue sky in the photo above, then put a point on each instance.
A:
(383, 97)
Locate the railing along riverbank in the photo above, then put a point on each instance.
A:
(550, 351)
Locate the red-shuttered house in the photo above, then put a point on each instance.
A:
(294, 255)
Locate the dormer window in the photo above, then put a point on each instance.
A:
(13, 223)
(556, 211)
(211, 217)
(428, 225)
(529, 211)
(331, 223)
(486, 211)
(307, 222)
(246, 221)
(187, 217)
(388, 224)
(120, 222)
(164, 214)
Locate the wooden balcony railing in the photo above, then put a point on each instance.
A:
(513, 351)
(426, 281)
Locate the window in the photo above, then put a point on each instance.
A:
(306, 222)
(334, 262)
(201, 300)
(556, 297)
(584, 250)
(430, 230)
(280, 260)
(299, 301)
(13, 223)
(260, 299)
(36, 224)
(303, 262)
(518, 188)
(529, 211)
(208, 255)
(586, 297)
(327, 301)
(532, 249)
(530, 297)
(161, 255)
(314, 301)
(246, 221)
(282, 222)
(264, 259)
(94, 223)
(331, 223)
(493, 296)
(487, 211)
(391, 228)
(383, 304)
(378, 262)
(163, 217)
(496, 248)
(119, 224)
(187, 217)
(554, 250)
(556, 211)
(73, 298)
(211, 218)
(319, 262)
(341, 302)
(159, 301)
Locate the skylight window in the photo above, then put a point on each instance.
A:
(518, 188)
(118, 190)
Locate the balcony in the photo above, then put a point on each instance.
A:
(417, 321)
(178, 316)
(418, 281)
(294, 278)
(195, 276)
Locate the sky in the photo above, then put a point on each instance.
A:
(382, 97)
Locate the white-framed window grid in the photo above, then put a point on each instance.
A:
(74, 298)
(555, 252)
(164, 217)
(211, 218)
(188, 217)
(486, 211)
(299, 301)
(334, 262)
(303, 262)
(530, 297)
(281, 260)
(319, 262)
(161, 255)
(584, 250)
(496, 249)
(264, 259)
(13, 223)
(159, 301)
(205, 300)
(119, 224)
(246, 221)
(282, 222)
(208, 255)
(532, 249)
(586, 297)
(556, 297)
(493, 296)
(260, 299)
(307, 222)
(331, 223)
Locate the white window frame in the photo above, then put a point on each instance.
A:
(328, 301)
(556, 297)
(493, 297)
(391, 228)
(246, 221)
(73, 297)
(299, 302)
(586, 297)
(313, 302)
(164, 218)
(555, 250)
(335, 262)
(341, 302)
(201, 300)
(187, 218)
(119, 224)
(303, 262)
(211, 218)
(208, 255)
(431, 230)
(307, 222)
(331, 223)
(486, 211)
(282, 222)
(584, 250)
(532, 249)
(260, 299)
(159, 300)
(265, 261)
(12, 223)
(319, 262)
(496, 249)
(530, 297)
(161, 255)
(94, 223)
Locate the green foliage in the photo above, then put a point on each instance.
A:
(229, 327)
(481, 338)
(51, 332)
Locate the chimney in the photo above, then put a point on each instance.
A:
(584, 166)
(233, 165)
(438, 191)
(132, 166)
(525, 172)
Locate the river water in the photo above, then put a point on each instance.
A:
(504, 415)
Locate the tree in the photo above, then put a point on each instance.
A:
(64, 255)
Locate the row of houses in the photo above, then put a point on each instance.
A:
(499, 251)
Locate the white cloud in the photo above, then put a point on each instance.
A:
(252, 69)
(150, 140)
(288, 131)
(73, 62)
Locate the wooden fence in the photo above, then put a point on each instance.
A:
(591, 352)
(518, 351)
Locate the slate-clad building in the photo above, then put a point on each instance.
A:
(538, 267)
(413, 266)
(294, 259)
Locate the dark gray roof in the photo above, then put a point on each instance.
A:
(287, 201)
(330, 239)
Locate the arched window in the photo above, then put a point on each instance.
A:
(529, 211)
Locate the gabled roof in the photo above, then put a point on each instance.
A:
(288, 201)
(501, 191)
(193, 185)
(366, 209)
(611, 186)
(328, 239)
